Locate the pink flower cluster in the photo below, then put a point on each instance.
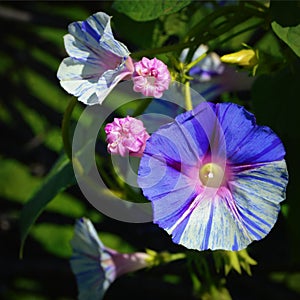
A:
(151, 77)
(126, 136)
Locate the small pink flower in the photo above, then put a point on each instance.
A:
(126, 136)
(151, 77)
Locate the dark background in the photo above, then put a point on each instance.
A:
(31, 109)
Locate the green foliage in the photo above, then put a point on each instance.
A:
(291, 280)
(233, 260)
(54, 238)
(115, 242)
(60, 177)
(146, 10)
(290, 35)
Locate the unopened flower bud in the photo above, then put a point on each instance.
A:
(126, 136)
(151, 77)
(244, 58)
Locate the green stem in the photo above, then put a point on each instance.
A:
(176, 256)
(66, 127)
(187, 94)
(194, 63)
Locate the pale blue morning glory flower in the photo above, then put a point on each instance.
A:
(97, 266)
(96, 62)
(215, 178)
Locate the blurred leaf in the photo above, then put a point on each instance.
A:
(146, 10)
(216, 293)
(54, 238)
(115, 242)
(291, 280)
(290, 35)
(236, 35)
(50, 135)
(15, 180)
(270, 44)
(60, 177)
(171, 278)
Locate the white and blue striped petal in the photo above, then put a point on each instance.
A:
(82, 80)
(258, 193)
(90, 262)
(233, 218)
(95, 32)
(211, 224)
(97, 61)
(108, 81)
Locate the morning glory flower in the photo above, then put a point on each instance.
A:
(97, 266)
(96, 62)
(151, 77)
(215, 178)
(206, 68)
(126, 136)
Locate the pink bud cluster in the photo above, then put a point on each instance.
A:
(151, 77)
(126, 136)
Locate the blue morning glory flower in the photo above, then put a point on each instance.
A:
(214, 177)
(96, 62)
(97, 266)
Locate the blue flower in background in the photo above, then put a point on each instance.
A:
(214, 177)
(97, 61)
(211, 77)
(97, 266)
(206, 68)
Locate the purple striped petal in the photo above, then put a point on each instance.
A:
(246, 142)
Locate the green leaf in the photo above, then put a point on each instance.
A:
(60, 177)
(59, 243)
(146, 10)
(115, 242)
(290, 35)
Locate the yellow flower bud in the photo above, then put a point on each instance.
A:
(245, 58)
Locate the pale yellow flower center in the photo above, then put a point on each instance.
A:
(211, 175)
